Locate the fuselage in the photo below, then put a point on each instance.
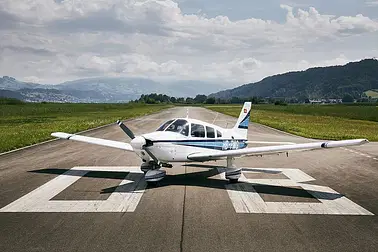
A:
(176, 139)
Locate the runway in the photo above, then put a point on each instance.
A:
(71, 196)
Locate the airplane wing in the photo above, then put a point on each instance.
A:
(268, 142)
(93, 140)
(204, 156)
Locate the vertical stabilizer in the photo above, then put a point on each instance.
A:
(241, 126)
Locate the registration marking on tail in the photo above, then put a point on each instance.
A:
(125, 197)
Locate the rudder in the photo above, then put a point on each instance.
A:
(241, 126)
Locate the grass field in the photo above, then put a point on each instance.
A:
(30, 123)
(334, 122)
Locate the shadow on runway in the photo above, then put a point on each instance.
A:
(204, 166)
(197, 179)
(89, 174)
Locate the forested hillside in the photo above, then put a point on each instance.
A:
(316, 83)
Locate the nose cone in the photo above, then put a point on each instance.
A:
(138, 142)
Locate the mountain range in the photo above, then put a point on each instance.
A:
(333, 82)
(101, 89)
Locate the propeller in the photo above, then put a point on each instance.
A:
(126, 129)
(138, 142)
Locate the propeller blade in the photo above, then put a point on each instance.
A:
(125, 129)
(151, 155)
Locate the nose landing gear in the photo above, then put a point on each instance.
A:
(152, 172)
(154, 175)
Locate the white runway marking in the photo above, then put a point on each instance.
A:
(125, 200)
(245, 199)
(359, 153)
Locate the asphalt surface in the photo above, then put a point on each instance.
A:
(190, 210)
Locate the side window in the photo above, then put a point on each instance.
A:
(197, 130)
(185, 130)
(210, 132)
(219, 134)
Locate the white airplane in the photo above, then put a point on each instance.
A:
(190, 140)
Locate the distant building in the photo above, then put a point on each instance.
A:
(317, 101)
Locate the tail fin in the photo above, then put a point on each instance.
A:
(241, 126)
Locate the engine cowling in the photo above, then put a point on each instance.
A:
(138, 142)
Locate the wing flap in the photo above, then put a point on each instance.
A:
(274, 149)
(93, 140)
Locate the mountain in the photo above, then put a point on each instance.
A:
(11, 94)
(315, 83)
(9, 83)
(133, 88)
(191, 88)
(103, 89)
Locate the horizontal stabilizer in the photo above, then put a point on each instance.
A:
(93, 140)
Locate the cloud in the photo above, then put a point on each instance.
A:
(372, 3)
(59, 40)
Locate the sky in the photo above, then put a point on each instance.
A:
(234, 42)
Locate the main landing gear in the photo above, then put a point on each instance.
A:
(153, 174)
(232, 173)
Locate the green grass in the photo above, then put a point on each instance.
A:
(316, 121)
(30, 123)
(352, 111)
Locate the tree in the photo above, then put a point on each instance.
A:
(150, 101)
(200, 98)
(180, 100)
(173, 99)
(210, 100)
(189, 100)
(347, 98)
(236, 100)
(280, 103)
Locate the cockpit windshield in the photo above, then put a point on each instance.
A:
(179, 126)
(164, 125)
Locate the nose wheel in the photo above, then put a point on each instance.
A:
(152, 172)
(154, 175)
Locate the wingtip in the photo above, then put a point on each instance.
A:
(61, 135)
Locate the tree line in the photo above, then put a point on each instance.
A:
(200, 99)
(155, 98)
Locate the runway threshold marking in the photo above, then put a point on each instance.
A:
(246, 199)
(243, 196)
(125, 197)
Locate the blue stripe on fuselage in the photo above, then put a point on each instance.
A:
(210, 144)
